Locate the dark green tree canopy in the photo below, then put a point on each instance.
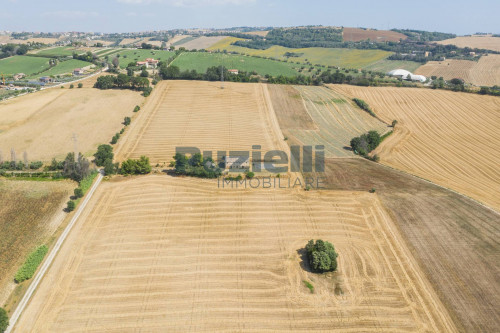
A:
(321, 255)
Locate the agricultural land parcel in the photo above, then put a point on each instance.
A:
(446, 137)
(199, 43)
(210, 259)
(346, 58)
(319, 116)
(480, 42)
(454, 238)
(357, 34)
(26, 220)
(43, 123)
(484, 72)
(201, 114)
(200, 61)
(23, 64)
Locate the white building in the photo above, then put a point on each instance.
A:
(405, 75)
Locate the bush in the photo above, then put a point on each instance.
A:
(126, 121)
(137, 108)
(136, 167)
(71, 86)
(196, 166)
(31, 264)
(104, 152)
(4, 320)
(115, 138)
(80, 85)
(36, 165)
(70, 206)
(78, 193)
(250, 174)
(322, 256)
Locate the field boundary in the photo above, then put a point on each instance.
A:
(50, 258)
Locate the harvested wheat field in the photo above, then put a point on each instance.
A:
(30, 211)
(43, 123)
(449, 138)
(358, 34)
(484, 72)
(320, 116)
(479, 42)
(262, 33)
(201, 114)
(161, 253)
(454, 238)
(202, 42)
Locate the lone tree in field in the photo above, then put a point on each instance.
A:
(322, 256)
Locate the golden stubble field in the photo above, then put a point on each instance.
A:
(480, 42)
(43, 123)
(201, 114)
(449, 138)
(484, 72)
(160, 253)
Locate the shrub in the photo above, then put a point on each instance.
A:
(309, 285)
(104, 152)
(36, 165)
(29, 267)
(78, 192)
(365, 143)
(372, 190)
(137, 108)
(126, 121)
(394, 122)
(322, 256)
(250, 174)
(80, 85)
(4, 320)
(196, 166)
(71, 86)
(115, 138)
(70, 206)
(136, 167)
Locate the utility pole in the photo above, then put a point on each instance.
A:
(222, 72)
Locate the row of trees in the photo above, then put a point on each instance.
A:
(212, 74)
(104, 158)
(122, 81)
(364, 106)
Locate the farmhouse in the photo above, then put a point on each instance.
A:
(233, 71)
(237, 162)
(46, 79)
(149, 62)
(405, 75)
(78, 71)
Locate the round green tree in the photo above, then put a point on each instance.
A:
(321, 256)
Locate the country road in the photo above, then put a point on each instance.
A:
(48, 261)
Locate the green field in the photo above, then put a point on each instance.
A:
(64, 67)
(200, 61)
(128, 56)
(23, 64)
(61, 51)
(346, 58)
(385, 65)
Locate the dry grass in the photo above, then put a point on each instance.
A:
(449, 138)
(201, 114)
(455, 239)
(27, 212)
(357, 34)
(157, 253)
(43, 123)
(480, 42)
(319, 116)
(485, 72)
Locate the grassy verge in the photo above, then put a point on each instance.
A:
(85, 185)
(309, 286)
(31, 264)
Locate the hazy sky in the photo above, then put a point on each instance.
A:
(456, 16)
